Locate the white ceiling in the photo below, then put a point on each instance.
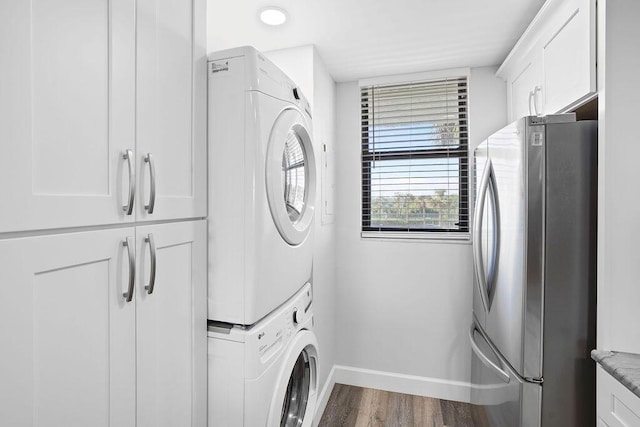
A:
(366, 38)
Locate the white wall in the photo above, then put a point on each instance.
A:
(305, 67)
(487, 106)
(404, 307)
(618, 195)
(297, 63)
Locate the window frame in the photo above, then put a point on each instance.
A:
(368, 158)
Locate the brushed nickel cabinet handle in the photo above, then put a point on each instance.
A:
(128, 296)
(128, 208)
(536, 91)
(152, 275)
(152, 184)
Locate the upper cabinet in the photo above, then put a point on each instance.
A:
(73, 152)
(525, 86)
(67, 112)
(171, 109)
(552, 68)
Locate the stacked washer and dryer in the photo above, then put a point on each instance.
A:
(263, 355)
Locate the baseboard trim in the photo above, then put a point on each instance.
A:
(323, 398)
(458, 391)
(401, 383)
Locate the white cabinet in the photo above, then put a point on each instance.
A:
(75, 98)
(75, 352)
(172, 325)
(525, 87)
(171, 108)
(552, 68)
(617, 406)
(68, 335)
(569, 56)
(67, 111)
(90, 91)
(618, 153)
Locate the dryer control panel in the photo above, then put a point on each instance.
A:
(298, 98)
(268, 338)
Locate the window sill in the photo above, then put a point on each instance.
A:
(456, 238)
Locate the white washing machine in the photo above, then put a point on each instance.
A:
(262, 187)
(265, 375)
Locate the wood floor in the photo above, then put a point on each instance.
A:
(350, 406)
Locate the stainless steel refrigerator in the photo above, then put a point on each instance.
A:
(534, 247)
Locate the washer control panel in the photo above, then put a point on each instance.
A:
(269, 337)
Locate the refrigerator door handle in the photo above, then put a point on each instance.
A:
(502, 374)
(495, 250)
(477, 236)
(496, 352)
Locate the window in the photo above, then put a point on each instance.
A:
(415, 159)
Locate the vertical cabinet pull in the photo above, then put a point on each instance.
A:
(152, 184)
(128, 208)
(537, 90)
(152, 274)
(128, 296)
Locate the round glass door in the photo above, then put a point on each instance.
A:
(297, 394)
(293, 176)
(290, 176)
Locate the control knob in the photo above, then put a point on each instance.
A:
(298, 316)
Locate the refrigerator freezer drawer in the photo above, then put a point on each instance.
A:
(508, 401)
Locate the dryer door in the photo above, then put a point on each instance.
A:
(295, 398)
(291, 176)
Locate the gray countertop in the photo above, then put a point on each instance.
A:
(625, 367)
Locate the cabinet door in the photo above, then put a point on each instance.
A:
(171, 108)
(172, 325)
(67, 333)
(569, 55)
(67, 80)
(616, 405)
(522, 88)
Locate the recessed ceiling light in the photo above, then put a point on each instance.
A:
(273, 16)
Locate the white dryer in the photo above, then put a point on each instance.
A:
(262, 187)
(266, 375)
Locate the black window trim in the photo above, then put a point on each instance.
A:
(369, 157)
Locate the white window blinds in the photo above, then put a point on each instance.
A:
(415, 156)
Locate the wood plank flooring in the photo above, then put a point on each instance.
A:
(351, 406)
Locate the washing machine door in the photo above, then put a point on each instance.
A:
(291, 176)
(295, 398)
